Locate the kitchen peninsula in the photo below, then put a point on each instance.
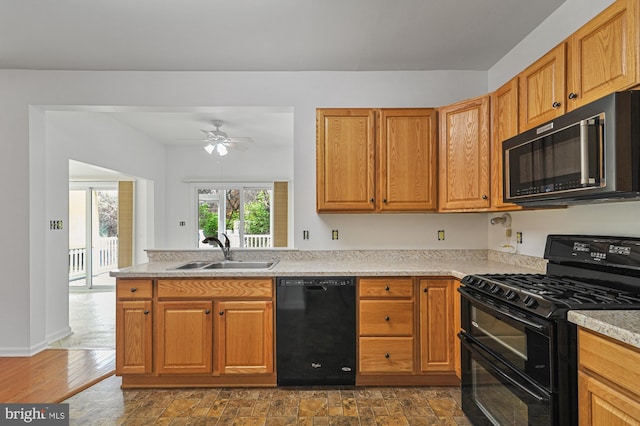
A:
(212, 327)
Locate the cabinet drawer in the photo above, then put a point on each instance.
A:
(385, 287)
(386, 318)
(229, 287)
(386, 354)
(610, 359)
(134, 289)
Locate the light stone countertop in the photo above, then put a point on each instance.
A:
(620, 325)
(332, 267)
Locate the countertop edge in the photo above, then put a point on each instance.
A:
(616, 324)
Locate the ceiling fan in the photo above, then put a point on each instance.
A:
(219, 142)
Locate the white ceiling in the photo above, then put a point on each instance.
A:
(264, 35)
(258, 35)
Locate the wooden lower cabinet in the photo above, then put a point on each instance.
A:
(195, 332)
(133, 337)
(405, 335)
(608, 381)
(244, 337)
(185, 337)
(437, 333)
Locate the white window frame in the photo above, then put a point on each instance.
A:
(226, 186)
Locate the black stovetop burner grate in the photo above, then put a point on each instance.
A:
(567, 290)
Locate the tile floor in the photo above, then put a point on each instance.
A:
(92, 318)
(107, 404)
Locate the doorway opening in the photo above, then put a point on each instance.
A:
(93, 235)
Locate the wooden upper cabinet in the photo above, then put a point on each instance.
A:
(407, 160)
(464, 155)
(345, 150)
(504, 116)
(602, 55)
(542, 89)
(361, 170)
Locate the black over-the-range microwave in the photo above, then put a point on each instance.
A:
(589, 154)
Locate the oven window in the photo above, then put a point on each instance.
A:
(497, 402)
(525, 348)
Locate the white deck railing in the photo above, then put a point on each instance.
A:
(257, 241)
(105, 257)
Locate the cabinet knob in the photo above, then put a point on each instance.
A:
(573, 95)
(426, 290)
(387, 288)
(146, 312)
(133, 289)
(387, 355)
(484, 196)
(221, 313)
(208, 311)
(387, 318)
(372, 200)
(384, 200)
(556, 105)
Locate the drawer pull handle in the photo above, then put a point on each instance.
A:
(387, 355)
(387, 288)
(133, 289)
(555, 105)
(387, 318)
(573, 95)
(146, 312)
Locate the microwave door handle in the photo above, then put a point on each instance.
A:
(584, 152)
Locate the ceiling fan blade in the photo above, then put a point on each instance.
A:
(240, 140)
(236, 146)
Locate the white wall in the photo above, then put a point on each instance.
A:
(606, 219)
(99, 140)
(24, 308)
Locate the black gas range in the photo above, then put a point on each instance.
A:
(519, 362)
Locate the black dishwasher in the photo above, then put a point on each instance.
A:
(316, 330)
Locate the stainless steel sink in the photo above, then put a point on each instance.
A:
(193, 265)
(229, 264)
(240, 264)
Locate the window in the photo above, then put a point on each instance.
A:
(242, 212)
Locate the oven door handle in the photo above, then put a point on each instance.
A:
(469, 344)
(497, 309)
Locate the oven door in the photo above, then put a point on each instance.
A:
(494, 393)
(519, 339)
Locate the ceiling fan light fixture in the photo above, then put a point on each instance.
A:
(209, 148)
(221, 149)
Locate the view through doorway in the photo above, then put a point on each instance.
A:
(93, 235)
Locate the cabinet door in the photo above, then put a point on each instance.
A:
(244, 337)
(457, 362)
(602, 55)
(345, 160)
(407, 160)
(185, 333)
(133, 337)
(601, 404)
(542, 89)
(504, 116)
(436, 325)
(464, 155)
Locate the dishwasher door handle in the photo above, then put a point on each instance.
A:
(315, 287)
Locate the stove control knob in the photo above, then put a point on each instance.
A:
(512, 295)
(495, 289)
(481, 284)
(530, 302)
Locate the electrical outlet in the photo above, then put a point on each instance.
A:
(519, 237)
(305, 235)
(55, 225)
(182, 223)
(334, 234)
(441, 235)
